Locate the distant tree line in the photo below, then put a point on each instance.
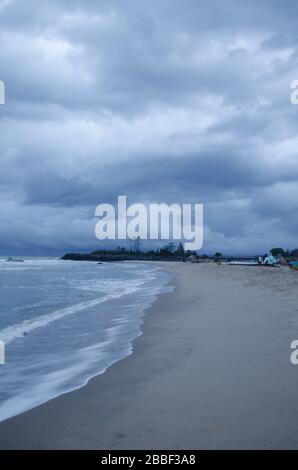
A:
(134, 246)
(168, 252)
(285, 253)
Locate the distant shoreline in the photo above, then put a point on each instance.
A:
(176, 256)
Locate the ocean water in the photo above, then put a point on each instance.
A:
(64, 322)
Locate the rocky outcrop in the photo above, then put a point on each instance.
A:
(114, 256)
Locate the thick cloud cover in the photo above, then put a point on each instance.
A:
(163, 101)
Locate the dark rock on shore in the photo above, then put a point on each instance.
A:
(127, 256)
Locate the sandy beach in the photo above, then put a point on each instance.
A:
(211, 371)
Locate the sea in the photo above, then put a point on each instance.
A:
(64, 322)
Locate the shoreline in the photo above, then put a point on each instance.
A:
(209, 370)
(11, 422)
(162, 284)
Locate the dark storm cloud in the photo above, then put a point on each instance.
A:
(163, 101)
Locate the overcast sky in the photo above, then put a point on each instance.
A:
(161, 100)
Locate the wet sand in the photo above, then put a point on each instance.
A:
(211, 371)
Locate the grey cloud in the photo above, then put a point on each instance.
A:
(164, 101)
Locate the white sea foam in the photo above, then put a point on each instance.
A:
(116, 289)
(41, 370)
(52, 384)
(110, 284)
